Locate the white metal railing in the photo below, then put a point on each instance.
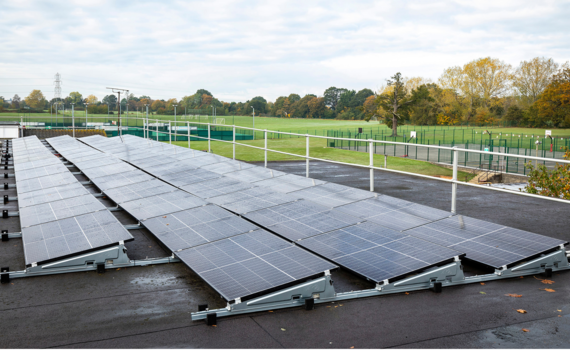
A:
(454, 182)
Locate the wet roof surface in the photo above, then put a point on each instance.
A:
(149, 307)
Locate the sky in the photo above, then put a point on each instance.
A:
(241, 49)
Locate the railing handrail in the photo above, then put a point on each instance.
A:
(544, 159)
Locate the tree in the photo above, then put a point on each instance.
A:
(92, 100)
(532, 77)
(488, 77)
(16, 102)
(110, 100)
(36, 99)
(554, 103)
(393, 101)
(550, 182)
(514, 116)
(75, 98)
(317, 107)
(423, 110)
(332, 95)
(157, 104)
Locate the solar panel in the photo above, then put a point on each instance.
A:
(152, 161)
(289, 183)
(245, 201)
(59, 209)
(96, 162)
(168, 169)
(254, 174)
(53, 180)
(286, 212)
(18, 167)
(194, 227)
(203, 160)
(332, 195)
(251, 263)
(162, 204)
(120, 179)
(138, 191)
(109, 169)
(41, 171)
(214, 187)
(228, 166)
(82, 233)
(190, 177)
(377, 253)
(51, 194)
(487, 243)
(392, 212)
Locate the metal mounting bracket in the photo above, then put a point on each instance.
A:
(111, 257)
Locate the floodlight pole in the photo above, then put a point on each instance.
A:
(73, 119)
(147, 135)
(370, 148)
(175, 124)
(118, 92)
(454, 184)
(253, 123)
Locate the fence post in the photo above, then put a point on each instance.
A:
(385, 161)
(371, 166)
(454, 184)
(307, 154)
(265, 138)
(209, 150)
(188, 125)
(156, 129)
(170, 132)
(234, 142)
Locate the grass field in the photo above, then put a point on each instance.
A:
(318, 149)
(311, 126)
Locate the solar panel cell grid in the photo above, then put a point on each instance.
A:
(491, 244)
(63, 237)
(251, 263)
(109, 169)
(44, 182)
(184, 229)
(51, 194)
(215, 187)
(376, 252)
(162, 204)
(59, 209)
(120, 179)
(138, 190)
(254, 174)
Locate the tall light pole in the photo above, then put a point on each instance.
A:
(175, 125)
(118, 91)
(253, 118)
(147, 120)
(73, 119)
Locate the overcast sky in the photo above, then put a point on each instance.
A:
(241, 49)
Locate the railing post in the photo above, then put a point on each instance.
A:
(209, 150)
(156, 129)
(371, 166)
(188, 124)
(234, 142)
(170, 132)
(385, 160)
(454, 184)
(265, 138)
(307, 154)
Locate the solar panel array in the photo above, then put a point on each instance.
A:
(491, 244)
(296, 208)
(58, 215)
(186, 223)
(373, 235)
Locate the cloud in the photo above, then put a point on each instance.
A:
(242, 49)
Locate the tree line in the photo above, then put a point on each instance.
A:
(485, 91)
